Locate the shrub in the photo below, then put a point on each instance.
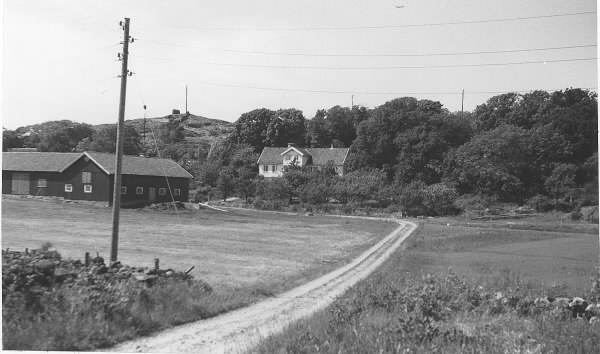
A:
(540, 203)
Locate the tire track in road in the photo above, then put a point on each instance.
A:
(240, 330)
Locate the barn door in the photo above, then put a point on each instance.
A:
(152, 194)
(20, 183)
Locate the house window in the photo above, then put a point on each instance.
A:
(139, 190)
(273, 168)
(288, 157)
(162, 191)
(265, 168)
(42, 182)
(123, 190)
(177, 192)
(68, 187)
(87, 188)
(86, 177)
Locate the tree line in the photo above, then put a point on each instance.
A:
(538, 149)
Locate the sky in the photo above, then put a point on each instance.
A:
(59, 57)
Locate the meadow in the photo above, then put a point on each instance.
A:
(228, 250)
(460, 287)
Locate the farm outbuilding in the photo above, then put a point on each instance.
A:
(90, 176)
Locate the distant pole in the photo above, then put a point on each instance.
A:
(352, 102)
(462, 102)
(119, 158)
(144, 130)
(186, 109)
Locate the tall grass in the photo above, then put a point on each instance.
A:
(396, 312)
(86, 318)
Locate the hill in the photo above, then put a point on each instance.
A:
(197, 129)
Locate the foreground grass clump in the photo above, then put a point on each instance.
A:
(42, 309)
(396, 312)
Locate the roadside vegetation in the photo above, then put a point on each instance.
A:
(441, 294)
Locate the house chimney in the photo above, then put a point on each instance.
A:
(332, 145)
(290, 145)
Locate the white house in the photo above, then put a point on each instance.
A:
(273, 159)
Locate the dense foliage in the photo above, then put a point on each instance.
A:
(413, 155)
(420, 158)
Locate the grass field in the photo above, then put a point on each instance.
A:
(551, 257)
(438, 295)
(228, 250)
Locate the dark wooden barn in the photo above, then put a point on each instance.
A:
(90, 176)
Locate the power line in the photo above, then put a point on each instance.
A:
(375, 55)
(341, 92)
(372, 27)
(371, 67)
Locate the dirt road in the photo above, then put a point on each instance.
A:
(239, 330)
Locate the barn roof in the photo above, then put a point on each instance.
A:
(60, 161)
(141, 166)
(319, 156)
(37, 161)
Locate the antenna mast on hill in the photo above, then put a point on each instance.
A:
(119, 158)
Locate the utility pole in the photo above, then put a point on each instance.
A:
(462, 102)
(119, 158)
(144, 130)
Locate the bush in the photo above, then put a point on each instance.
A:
(540, 203)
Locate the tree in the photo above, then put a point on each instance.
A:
(251, 128)
(423, 148)
(62, 136)
(496, 111)
(492, 163)
(105, 140)
(273, 189)
(226, 182)
(244, 167)
(286, 126)
(208, 172)
(375, 145)
(561, 181)
(10, 139)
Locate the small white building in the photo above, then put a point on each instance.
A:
(273, 159)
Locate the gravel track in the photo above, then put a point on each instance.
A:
(238, 331)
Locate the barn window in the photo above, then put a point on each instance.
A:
(42, 182)
(162, 191)
(68, 187)
(86, 177)
(177, 192)
(87, 188)
(139, 190)
(123, 190)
